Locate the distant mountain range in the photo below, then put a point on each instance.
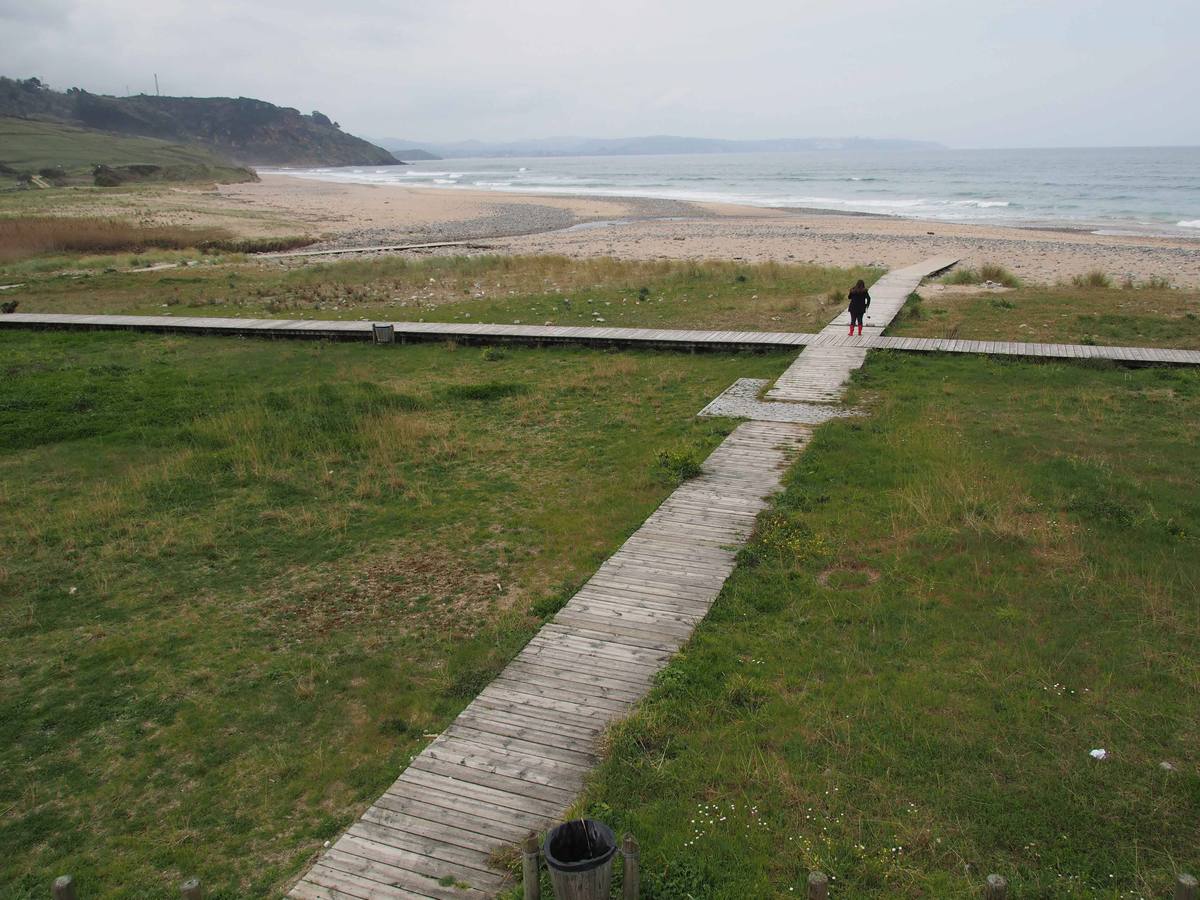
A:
(246, 131)
(638, 146)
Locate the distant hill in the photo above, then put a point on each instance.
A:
(649, 145)
(249, 132)
(414, 155)
(28, 145)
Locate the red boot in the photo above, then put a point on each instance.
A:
(860, 331)
(851, 329)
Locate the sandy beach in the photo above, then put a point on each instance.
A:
(359, 215)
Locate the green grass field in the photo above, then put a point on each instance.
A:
(1145, 315)
(532, 290)
(537, 290)
(29, 145)
(243, 582)
(954, 602)
(240, 582)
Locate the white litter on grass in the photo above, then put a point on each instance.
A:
(1166, 766)
(1099, 754)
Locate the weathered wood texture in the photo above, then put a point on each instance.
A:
(597, 337)
(820, 373)
(517, 756)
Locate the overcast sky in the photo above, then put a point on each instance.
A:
(1006, 73)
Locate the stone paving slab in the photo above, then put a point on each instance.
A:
(741, 401)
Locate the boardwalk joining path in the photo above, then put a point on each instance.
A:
(833, 336)
(820, 373)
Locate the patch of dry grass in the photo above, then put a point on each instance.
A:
(22, 237)
(1087, 311)
(29, 236)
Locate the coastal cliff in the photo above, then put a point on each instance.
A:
(241, 129)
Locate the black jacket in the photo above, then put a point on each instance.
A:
(860, 301)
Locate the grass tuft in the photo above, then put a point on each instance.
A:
(913, 308)
(1094, 279)
(998, 275)
(987, 272)
(679, 464)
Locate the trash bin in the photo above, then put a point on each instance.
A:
(579, 855)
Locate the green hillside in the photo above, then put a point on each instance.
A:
(30, 146)
(247, 131)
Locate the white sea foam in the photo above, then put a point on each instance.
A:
(1021, 187)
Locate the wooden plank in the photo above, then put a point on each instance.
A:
(417, 805)
(583, 672)
(331, 883)
(518, 739)
(439, 848)
(542, 715)
(545, 797)
(398, 868)
(492, 813)
(572, 692)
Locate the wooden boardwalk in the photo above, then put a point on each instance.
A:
(517, 756)
(833, 336)
(820, 373)
(377, 248)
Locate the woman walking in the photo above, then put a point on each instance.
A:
(860, 302)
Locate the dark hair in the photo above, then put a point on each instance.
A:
(861, 286)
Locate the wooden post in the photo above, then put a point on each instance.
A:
(631, 882)
(531, 877)
(1186, 887)
(996, 888)
(192, 889)
(64, 888)
(818, 886)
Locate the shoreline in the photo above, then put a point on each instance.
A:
(347, 215)
(1111, 228)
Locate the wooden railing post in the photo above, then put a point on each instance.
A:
(531, 878)
(63, 888)
(192, 889)
(631, 882)
(1186, 887)
(996, 888)
(818, 886)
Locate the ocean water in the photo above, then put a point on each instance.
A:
(1136, 190)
